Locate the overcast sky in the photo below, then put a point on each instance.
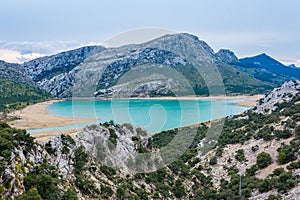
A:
(31, 28)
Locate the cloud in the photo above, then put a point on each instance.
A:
(45, 47)
(291, 61)
(19, 52)
(17, 57)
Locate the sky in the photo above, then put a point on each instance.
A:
(33, 28)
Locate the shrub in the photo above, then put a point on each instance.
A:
(80, 159)
(108, 171)
(112, 137)
(263, 160)
(70, 194)
(251, 171)
(282, 134)
(294, 165)
(286, 154)
(240, 155)
(178, 190)
(213, 161)
(106, 191)
(31, 194)
(254, 148)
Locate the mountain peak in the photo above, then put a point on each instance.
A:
(261, 59)
(227, 56)
(264, 55)
(186, 39)
(293, 66)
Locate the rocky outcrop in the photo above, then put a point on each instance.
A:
(111, 145)
(285, 93)
(115, 146)
(53, 73)
(227, 56)
(15, 73)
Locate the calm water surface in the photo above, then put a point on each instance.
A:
(154, 115)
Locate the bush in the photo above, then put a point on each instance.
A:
(213, 161)
(112, 137)
(106, 191)
(251, 171)
(108, 171)
(274, 197)
(286, 154)
(120, 192)
(294, 165)
(80, 159)
(240, 155)
(45, 184)
(179, 191)
(86, 185)
(31, 194)
(263, 160)
(282, 134)
(70, 194)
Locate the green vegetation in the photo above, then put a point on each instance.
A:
(263, 160)
(15, 95)
(188, 177)
(213, 161)
(113, 136)
(31, 194)
(240, 155)
(11, 138)
(42, 182)
(286, 154)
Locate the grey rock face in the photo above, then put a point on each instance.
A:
(227, 56)
(95, 70)
(59, 150)
(281, 94)
(14, 72)
(52, 73)
(121, 154)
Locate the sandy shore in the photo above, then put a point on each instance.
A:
(36, 116)
(250, 100)
(44, 136)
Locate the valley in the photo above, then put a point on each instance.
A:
(169, 118)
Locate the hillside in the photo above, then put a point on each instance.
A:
(101, 162)
(16, 89)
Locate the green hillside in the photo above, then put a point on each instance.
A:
(241, 154)
(14, 95)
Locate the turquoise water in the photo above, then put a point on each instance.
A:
(154, 115)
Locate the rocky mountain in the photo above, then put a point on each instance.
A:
(227, 56)
(293, 66)
(112, 161)
(265, 68)
(52, 73)
(15, 73)
(178, 64)
(285, 93)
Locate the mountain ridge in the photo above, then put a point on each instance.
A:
(101, 69)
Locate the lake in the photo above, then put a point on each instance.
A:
(154, 115)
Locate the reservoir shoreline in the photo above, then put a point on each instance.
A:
(37, 116)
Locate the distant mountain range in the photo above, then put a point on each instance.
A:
(170, 65)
